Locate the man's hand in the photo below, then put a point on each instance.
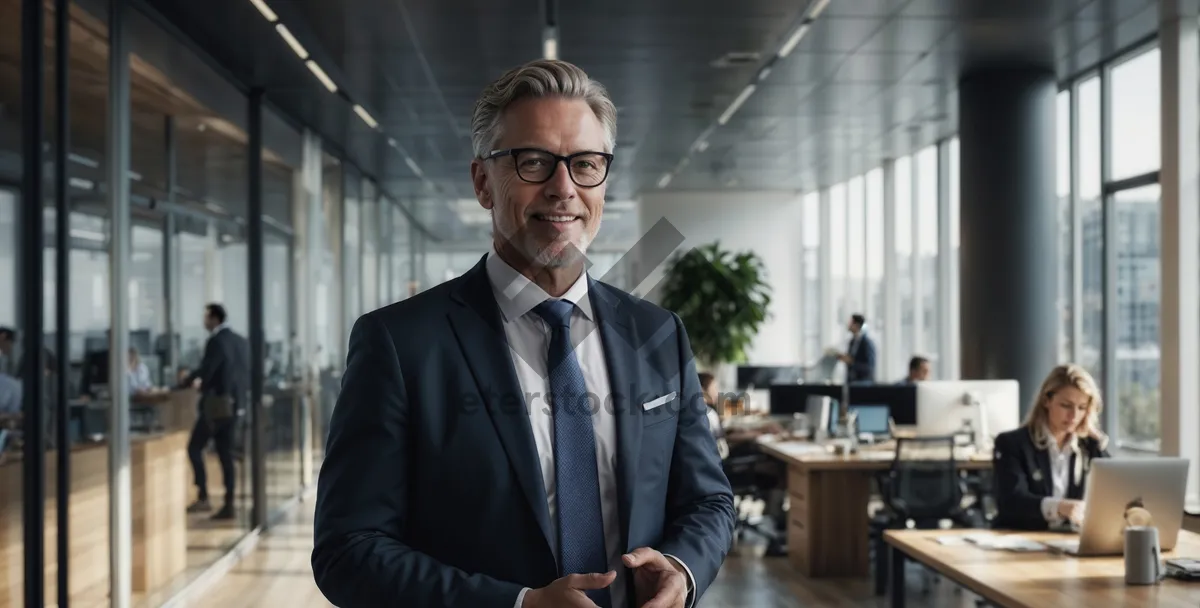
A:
(844, 358)
(1071, 510)
(568, 591)
(658, 582)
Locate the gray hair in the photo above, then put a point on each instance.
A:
(540, 78)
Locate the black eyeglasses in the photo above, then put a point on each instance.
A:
(587, 169)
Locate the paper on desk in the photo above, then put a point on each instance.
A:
(998, 542)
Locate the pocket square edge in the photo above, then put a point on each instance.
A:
(653, 403)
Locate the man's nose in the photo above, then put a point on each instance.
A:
(561, 186)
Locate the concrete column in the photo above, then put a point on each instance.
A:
(1179, 324)
(1009, 221)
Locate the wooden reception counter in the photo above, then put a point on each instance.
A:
(158, 468)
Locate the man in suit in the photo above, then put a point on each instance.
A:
(224, 380)
(524, 436)
(8, 342)
(919, 369)
(860, 355)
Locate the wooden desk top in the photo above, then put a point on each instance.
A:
(814, 456)
(1039, 579)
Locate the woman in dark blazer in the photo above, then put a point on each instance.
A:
(1041, 467)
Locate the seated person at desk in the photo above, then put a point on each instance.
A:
(140, 384)
(1041, 467)
(918, 371)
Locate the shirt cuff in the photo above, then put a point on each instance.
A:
(521, 597)
(1050, 510)
(691, 583)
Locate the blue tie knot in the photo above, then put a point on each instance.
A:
(557, 313)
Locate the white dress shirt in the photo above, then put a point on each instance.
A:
(139, 378)
(529, 338)
(1060, 478)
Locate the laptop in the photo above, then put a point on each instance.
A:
(1157, 484)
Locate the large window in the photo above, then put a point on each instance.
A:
(1091, 227)
(1066, 245)
(950, 369)
(1135, 115)
(905, 337)
(837, 258)
(1135, 236)
(873, 275)
(1136, 242)
(811, 234)
(926, 217)
(855, 246)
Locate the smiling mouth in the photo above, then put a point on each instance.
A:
(555, 219)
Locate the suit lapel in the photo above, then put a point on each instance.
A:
(476, 322)
(1041, 472)
(619, 340)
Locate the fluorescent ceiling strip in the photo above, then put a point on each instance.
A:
(792, 41)
(737, 103)
(321, 75)
(818, 8)
(413, 165)
(362, 113)
(665, 180)
(265, 10)
(287, 36)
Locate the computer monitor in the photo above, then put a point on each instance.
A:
(819, 411)
(992, 407)
(760, 376)
(900, 399)
(788, 399)
(94, 372)
(873, 419)
(1157, 484)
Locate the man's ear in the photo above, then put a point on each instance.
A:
(479, 179)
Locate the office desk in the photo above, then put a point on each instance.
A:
(157, 466)
(1035, 580)
(828, 494)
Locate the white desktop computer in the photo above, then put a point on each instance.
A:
(990, 407)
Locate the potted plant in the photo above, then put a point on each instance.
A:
(722, 298)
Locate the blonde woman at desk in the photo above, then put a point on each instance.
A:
(1041, 467)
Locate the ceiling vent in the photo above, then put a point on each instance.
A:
(734, 59)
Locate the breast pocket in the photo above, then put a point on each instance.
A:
(661, 409)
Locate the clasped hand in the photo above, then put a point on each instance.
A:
(657, 583)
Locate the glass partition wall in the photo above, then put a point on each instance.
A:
(187, 245)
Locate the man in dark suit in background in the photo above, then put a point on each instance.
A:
(461, 469)
(224, 379)
(860, 355)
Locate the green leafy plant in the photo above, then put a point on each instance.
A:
(722, 299)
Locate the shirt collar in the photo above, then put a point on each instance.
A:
(1055, 450)
(517, 295)
(216, 330)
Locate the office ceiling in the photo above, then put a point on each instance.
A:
(872, 79)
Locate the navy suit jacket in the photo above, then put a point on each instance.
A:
(431, 494)
(1023, 478)
(863, 367)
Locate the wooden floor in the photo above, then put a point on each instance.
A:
(278, 573)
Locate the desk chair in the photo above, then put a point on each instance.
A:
(922, 488)
(743, 467)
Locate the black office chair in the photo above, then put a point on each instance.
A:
(922, 488)
(743, 468)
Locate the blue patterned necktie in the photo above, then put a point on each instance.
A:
(580, 522)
